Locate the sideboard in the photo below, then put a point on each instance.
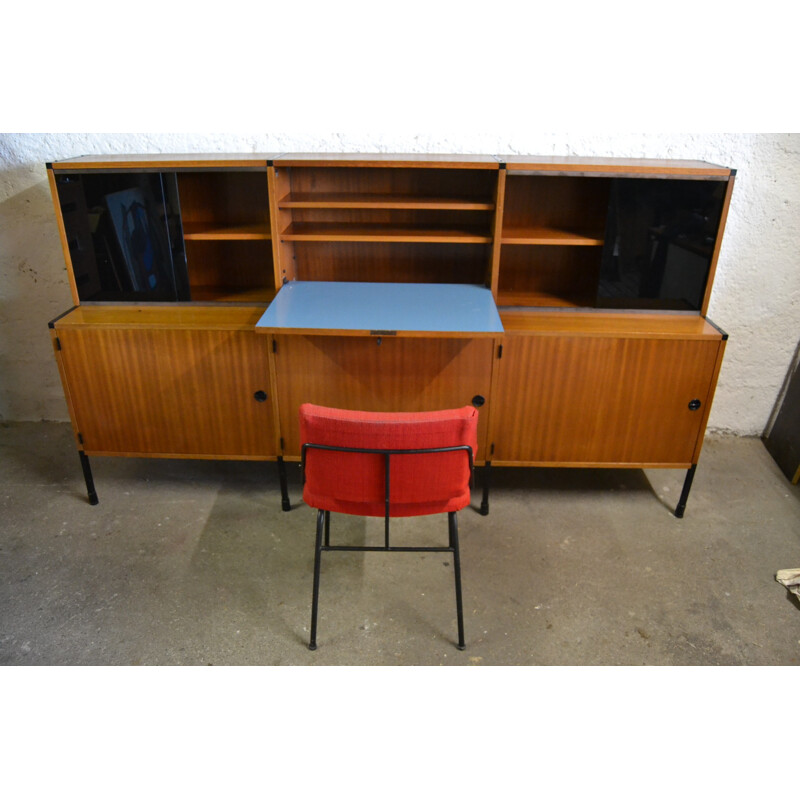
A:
(564, 297)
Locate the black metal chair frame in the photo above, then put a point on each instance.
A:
(324, 527)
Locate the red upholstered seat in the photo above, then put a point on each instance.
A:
(353, 483)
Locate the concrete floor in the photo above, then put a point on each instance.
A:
(193, 562)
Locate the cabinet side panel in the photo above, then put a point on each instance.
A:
(589, 400)
(170, 392)
(63, 236)
(717, 246)
(65, 385)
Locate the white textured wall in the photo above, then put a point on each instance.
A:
(756, 296)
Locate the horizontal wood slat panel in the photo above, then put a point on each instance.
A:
(179, 392)
(575, 400)
(395, 375)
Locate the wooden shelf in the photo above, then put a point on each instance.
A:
(382, 201)
(199, 231)
(363, 232)
(541, 235)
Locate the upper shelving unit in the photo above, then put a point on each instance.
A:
(385, 217)
(540, 232)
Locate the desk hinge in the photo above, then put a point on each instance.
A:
(282, 445)
(58, 343)
(499, 351)
(80, 438)
(491, 449)
(274, 345)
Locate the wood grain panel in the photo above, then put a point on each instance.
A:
(405, 262)
(164, 161)
(558, 203)
(175, 392)
(395, 375)
(374, 160)
(548, 276)
(392, 185)
(601, 166)
(580, 400)
(222, 268)
(62, 233)
(608, 324)
(161, 316)
(219, 199)
(712, 270)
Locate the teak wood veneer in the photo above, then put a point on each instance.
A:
(601, 270)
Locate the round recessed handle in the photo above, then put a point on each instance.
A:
(260, 396)
(694, 405)
(478, 400)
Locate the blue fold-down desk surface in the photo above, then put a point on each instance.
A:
(382, 309)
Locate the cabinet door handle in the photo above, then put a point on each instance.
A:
(478, 400)
(260, 396)
(694, 404)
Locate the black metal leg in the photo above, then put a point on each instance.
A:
(312, 645)
(486, 482)
(285, 504)
(327, 529)
(453, 525)
(87, 476)
(687, 485)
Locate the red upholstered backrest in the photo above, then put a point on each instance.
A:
(353, 483)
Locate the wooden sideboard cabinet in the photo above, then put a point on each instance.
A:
(564, 297)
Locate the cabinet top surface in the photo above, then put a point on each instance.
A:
(437, 160)
(162, 315)
(165, 160)
(551, 164)
(590, 164)
(609, 324)
(382, 309)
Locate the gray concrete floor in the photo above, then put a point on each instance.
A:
(193, 562)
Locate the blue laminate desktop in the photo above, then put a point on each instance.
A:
(442, 308)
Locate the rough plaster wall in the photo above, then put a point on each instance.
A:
(756, 296)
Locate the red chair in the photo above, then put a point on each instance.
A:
(387, 465)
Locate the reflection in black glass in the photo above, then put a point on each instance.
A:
(659, 243)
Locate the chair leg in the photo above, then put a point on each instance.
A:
(312, 645)
(327, 529)
(453, 525)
